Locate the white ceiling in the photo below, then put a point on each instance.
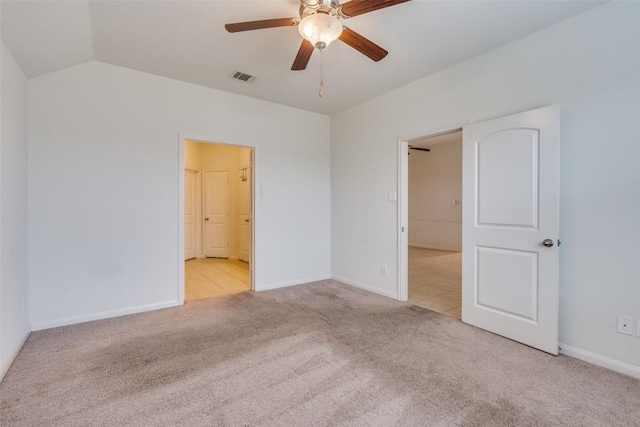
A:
(186, 40)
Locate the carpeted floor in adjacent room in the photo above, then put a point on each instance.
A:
(313, 355)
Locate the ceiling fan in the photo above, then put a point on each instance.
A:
(320, 24)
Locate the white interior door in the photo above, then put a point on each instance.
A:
(244, 215)
(189, 214)
(510, 283)
(216, 214)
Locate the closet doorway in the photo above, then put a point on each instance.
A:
(435, 223)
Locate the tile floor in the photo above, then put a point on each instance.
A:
(214, 277)
(435, 280)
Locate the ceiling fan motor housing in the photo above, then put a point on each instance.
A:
(324, 6)
(330, 7)
(320, 22)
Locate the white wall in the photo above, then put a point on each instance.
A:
(244, 158)
(192, 155)
(435, 179)
(590, 66)
(104, 172)
(14, 267)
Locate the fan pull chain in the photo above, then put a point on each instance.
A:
(321, 72)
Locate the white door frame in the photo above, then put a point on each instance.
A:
(197, 226)
(403, 200)
(249, 260)
(182, 137)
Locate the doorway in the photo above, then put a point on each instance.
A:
(435, 223)
(510, 225)
(217, 219)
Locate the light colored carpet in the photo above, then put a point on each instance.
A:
(312, 355)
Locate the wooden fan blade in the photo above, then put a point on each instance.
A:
(358, 7)
(303, 56)
(362, 44)
(259, 25)
(411, 147)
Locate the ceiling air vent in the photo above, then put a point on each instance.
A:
(243, 77)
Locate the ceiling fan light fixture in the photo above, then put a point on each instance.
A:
(320, 29)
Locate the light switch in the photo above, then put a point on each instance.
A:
(393, 196)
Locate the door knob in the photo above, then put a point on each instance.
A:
(206, 219)
(246, 220)
(547, 242)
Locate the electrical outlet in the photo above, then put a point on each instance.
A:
(291, 262)
(626, 325)
(384, 269)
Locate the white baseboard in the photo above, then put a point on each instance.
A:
(596, 359)
(288, 283)
(369, 288)
(6, 365)
(103, 315)
(438, 248)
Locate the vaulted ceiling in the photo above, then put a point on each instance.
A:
(186, 40)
